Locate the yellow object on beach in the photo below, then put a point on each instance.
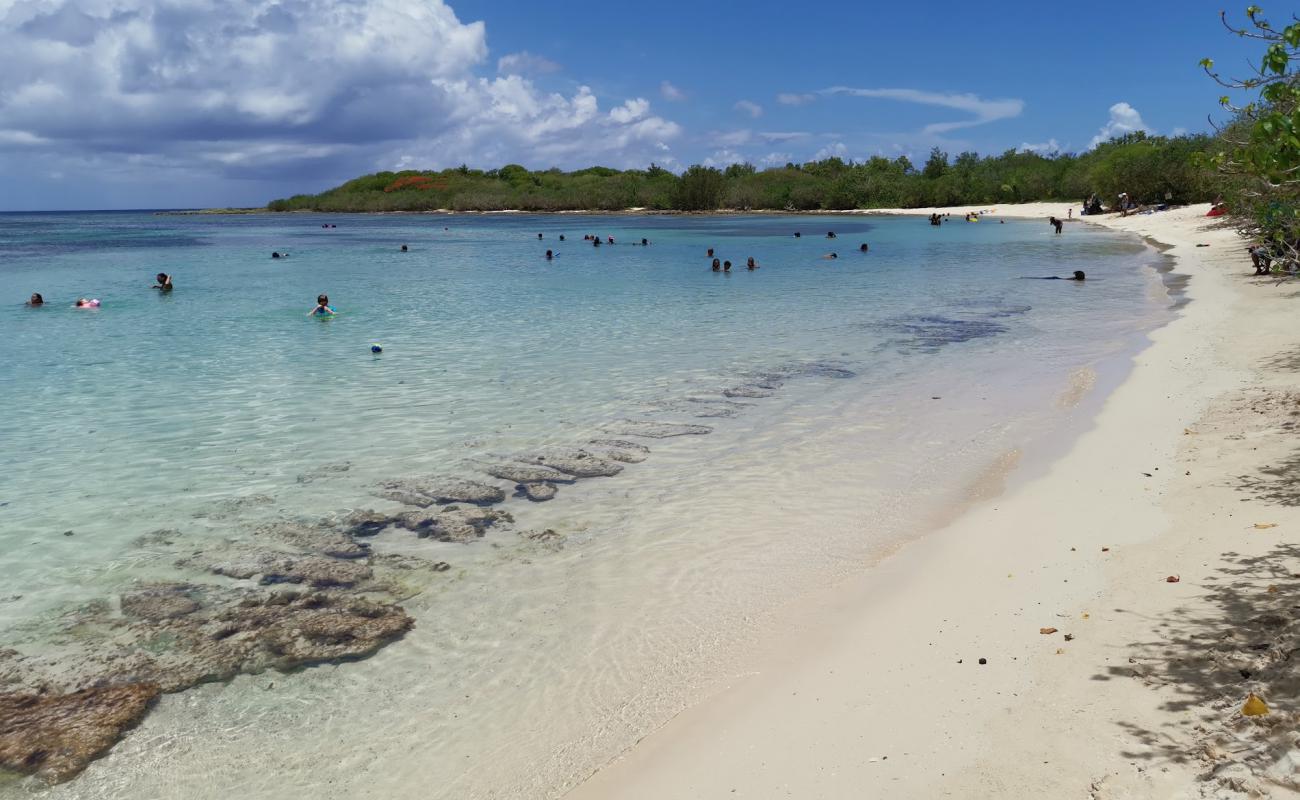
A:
(1254, 706)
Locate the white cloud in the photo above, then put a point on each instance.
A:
(291, 92)
(1124, 118)
(671, 93)
(749, 107)
(983, 111)
(776, 159)
(783, 136)
(1042, 148)
(724, 158)
(791, 99)
(733, 138)
(1179, 131)
(526, 63)
(834, 149)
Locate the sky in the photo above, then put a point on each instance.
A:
(211, 103)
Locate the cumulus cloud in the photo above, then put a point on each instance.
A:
(1124, 118)
(1042, 148)
(312, 90)
(749, 107)
(671, 93)
(791, 99)
(982, 111)
(733, 138)
(525, 63)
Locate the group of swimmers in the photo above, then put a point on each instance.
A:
(163, 285)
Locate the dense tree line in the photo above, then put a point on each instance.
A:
(1152, 169)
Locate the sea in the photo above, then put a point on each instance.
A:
(817, 413)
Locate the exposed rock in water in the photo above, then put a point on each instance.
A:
(55, 736)
(748, 390)
(367, 523)
(526, 473)
(657, 430)
(424, 492)
(161, 601)
(538, 492)
(321, 539)
(576, 462)
(451, 524)
(276, 567)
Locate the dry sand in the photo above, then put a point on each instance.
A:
(874, 687)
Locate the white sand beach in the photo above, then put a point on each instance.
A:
(1104, 677)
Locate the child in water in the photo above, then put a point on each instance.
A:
(164, 283)
(84, 303)
(322, 308)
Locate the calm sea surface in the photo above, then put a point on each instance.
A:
(899, 376)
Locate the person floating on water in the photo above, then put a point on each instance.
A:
(322, 308)
(1077, 276)
(751, 264)
(717, 265)
(84, 303)
(1056, 223)
(830, 256)
(164, 283)
(36, 301)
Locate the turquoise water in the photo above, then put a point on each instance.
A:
(223, 405)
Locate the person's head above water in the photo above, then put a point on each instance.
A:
(322, 299)
(549, 254)
(36, 299)
(863, 247)
(404, 248)
(717, 265)
(1078, 275)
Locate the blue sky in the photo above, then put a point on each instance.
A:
(146, 104)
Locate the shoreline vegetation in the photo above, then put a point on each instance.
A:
(1150, 169)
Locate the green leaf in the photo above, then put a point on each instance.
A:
(1207, 63)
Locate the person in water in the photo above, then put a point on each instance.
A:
(717, 265)
(561, 237)
(726, 266)
(750, 264)
(710, 253)
(863, 248)
(84, 303)
(36, 301)
(797, 234)
(831, 256)
(164, 283)
(830, 234)
(1056, 223)
(322, 308)
(405, 248)
(645, 242)
(539, 236)
(1077, 276)
(549, 255)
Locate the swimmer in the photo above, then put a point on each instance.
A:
(830, 234)
(750, 264)
(611, 240)
(322, 308)
(549, 255)
(863, 248)
(275, 255)
(539, 236)
(84, 303)
(710, 253)
(36, 301)
(645, 242)
(1056, 223)
(726, 266)
(404, 248)
(717, 265)
(595, 242)
(797, 234)
(164, 283)
(831, 256)
(561, 237)
(1077, 276)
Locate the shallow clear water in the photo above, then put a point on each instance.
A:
(910, 369)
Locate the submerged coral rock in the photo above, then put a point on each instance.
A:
(161, 601)
(657, 430)
(367, 523)
(526, 473)
(451, 524)
(538, 492)
(271, 566)
(424, 492)
(748, 390)
(621, 450)
(576, 462)
(321, 539)
(55, 736)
